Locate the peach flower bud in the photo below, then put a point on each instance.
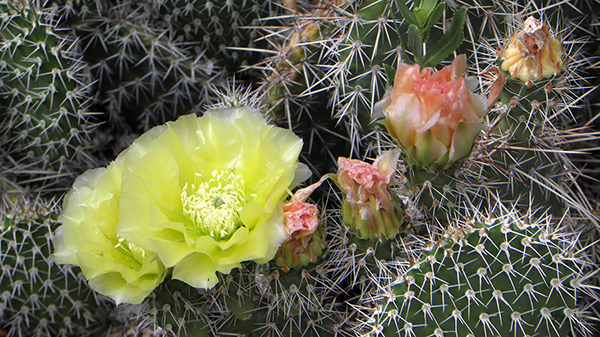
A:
(301, 218)
(370, 207)
(434, 116)
(305, 241)
(532, 54)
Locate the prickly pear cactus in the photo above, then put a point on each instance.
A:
(505, 278)
(38, 297)
(45, 124)
(445, 129)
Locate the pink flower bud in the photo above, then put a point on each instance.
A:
(301, 218)
(434, 116)
(370, 207)
(304, 243)
(361, 180)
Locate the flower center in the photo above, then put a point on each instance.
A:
(213, 206)
(133, 254)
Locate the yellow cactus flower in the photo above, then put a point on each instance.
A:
(88, 238)
(199, 195)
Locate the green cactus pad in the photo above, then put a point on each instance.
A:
(492, 279)
(37, 296)
(43, 94)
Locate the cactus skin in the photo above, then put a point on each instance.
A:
(219, 29)
(45, 124)
(154, 61)
(144, 75)
(254, 300)
(489, 279)
(37, 296)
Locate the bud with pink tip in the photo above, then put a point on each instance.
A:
(434, 116)
(371, 207)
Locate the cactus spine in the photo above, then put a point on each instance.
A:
(39, 297)
(45, 123)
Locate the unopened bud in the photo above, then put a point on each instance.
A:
(532, 54)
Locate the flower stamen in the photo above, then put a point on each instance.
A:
(213, 206)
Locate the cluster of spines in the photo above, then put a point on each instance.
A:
(154, 61)
(219, 29)
(305, 79)
(38, 297)
(488, 279)
(143, 75)
(255, 300)
(587, 27)
(45, 125)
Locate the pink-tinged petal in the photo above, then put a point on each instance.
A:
(360, 180)
(356, 171)
(386, 163)
(302, 194)
(404, 116)
(405, 76)
(430, 122)
(383, 105)
(301, 219)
